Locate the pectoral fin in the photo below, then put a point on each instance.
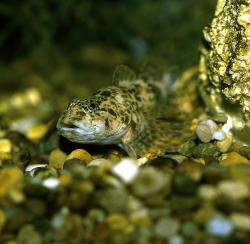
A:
(158, 138)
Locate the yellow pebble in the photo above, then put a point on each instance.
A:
(65, 180)
(2, 219)
(234, 158)
(11, 184)
(5, 146)
(80, 154)
(57, 159)
(36, 132)
(225, 144)
(119, 222)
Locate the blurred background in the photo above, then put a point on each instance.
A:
(70, 48)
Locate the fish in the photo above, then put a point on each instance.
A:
(128, 113)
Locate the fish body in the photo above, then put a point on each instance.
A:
(124, 113)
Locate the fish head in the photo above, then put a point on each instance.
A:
(96, 120)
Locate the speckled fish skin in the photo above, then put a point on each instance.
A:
(118, 114)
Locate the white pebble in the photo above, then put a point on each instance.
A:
(206, 129)
(127, 169)
(228, 126)
(241, 221)
(219, 135)
(220, 226)
(234, 190)
(51, 183)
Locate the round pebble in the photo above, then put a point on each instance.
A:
(5, 146)
(36, 132)
(57, 159)
(166, 227)
(235, 190)
(80, 154)
(2, 219)
(220, 226)
(241, 221)
(205, 130)
(233, 158)
(225, 144)
(150, 181)
(126, 169)
(28, 235)
(207, 192)
(100, 162)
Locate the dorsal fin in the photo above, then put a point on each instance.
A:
(150, 72)
(123, 72)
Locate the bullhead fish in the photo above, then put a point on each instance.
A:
(127, 113)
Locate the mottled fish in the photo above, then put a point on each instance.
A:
(127, 113)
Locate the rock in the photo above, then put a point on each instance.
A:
(191, 168)
(241, 221)
(207, 192)
(183, 184)
(150, 181)
(167, 227)
(225, 144)
(80, 154)
(119, 222)
(5, 146)
(101, 163)
(28, 235)
(233, 158)
(11, 184)
(2, 219)
(220, 226)
(235, 190)
(126, 169)
(36, 132)
(57, 159)
(189, 228)
(205, 130)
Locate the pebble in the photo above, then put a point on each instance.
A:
(51, 183)
(126, 169)
(233, 158)
(191, 168)
(36, 132)
(183, 184)
(31, 169)
(176, 239)
(114, 200)
(119, 222)
(2, 219)
(5, 146)
(240, 172)
(140, 217)
(57, 159)
(207, 192)
(241, 221)
(235, 190)
(205, 130)
(28, 235)
(167, 227)
(225, 144)
(80, 154)
(219, 135)
(189, 228)
(101, 163)
(220, 226)
(11, 184)
(150, 181)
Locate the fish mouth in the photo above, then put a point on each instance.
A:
(79, 135)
